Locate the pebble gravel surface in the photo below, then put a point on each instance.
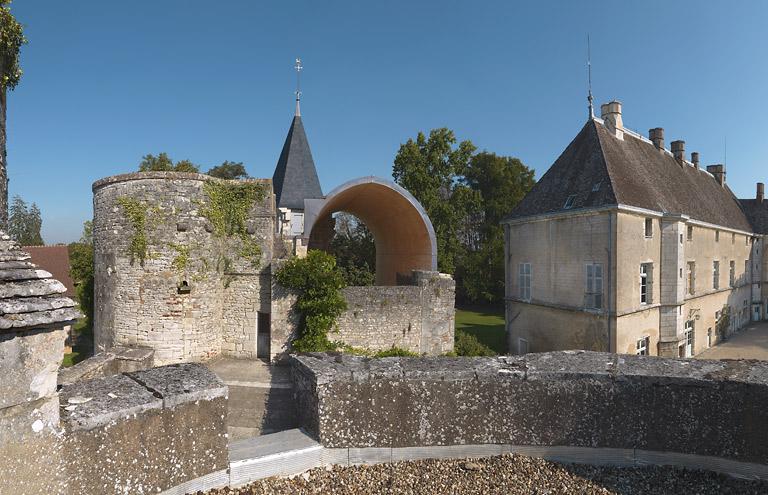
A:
(507, 474)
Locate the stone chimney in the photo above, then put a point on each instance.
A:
(611, 115)
(678, 150)
(718, 171)
(656, 135)
(760, 196)
(695, 159)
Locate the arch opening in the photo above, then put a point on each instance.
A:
(403, 235)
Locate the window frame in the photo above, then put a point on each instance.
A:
(648, 228)
(716, 274)
(646, 281)
(524, 289)
(643, 346)
(593, 295)
(569, 201)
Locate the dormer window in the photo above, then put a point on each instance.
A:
(569, 202)
(596, 187)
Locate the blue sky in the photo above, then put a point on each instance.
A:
(107, 82)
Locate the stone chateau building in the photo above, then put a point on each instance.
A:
(628, 247)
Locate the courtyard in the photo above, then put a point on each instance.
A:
(749, 343)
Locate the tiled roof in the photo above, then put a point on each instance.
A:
(757, 212)
(30, 297)
(54, 259)
(295, 178)
(599, 169)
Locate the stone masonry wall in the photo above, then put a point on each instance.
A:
(141, 305)
(419, 317)
(29, 410)
(572, 398)
(138, 432)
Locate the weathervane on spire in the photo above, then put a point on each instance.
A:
(298, 68)
(589, 79)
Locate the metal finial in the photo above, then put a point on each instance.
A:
(589, 80)
(298, 68)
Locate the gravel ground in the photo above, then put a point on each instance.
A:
(507, 474)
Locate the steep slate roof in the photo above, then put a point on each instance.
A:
(29, 297)
(602, 170)
(295, 178)
(757, 214)
(54, 259)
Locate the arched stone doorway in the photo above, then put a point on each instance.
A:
(403, 234)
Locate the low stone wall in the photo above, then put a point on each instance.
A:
(140, 432)
(417, 317)
(116, 360)
(580, 399)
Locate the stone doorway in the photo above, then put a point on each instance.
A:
(263, 335)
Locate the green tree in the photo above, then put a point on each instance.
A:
(353, 247)
(466, 195)
(320, 301)
(25, 222)
(11, 39)
(163, 163)
(229, 170)
(500, 183)
(427, 168)
(81, 269)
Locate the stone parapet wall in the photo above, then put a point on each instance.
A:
(573, 398)
(141, 304)
(139, 432)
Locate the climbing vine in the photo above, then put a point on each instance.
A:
(181, 260)
(11, 39)
(318, 282)
(139, 216)
(226, 209)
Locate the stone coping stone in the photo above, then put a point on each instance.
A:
(133, 353)
(89, 404)
(181, 383)
(108, 399)
(114, 179)
(333, 367)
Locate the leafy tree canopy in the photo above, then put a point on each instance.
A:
(81, 268)
(11, 39)
(354, 249)
(229, 170)
(427, 168)
(25, 222)
(163, 163)
(466, 195)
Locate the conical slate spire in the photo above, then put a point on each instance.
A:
(295, 178)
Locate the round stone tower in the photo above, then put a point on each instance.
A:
(181, 263)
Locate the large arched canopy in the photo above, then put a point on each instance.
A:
(402, 231)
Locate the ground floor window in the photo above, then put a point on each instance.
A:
(522, 346)
(709, 337)
(642, 346)
(688, 339)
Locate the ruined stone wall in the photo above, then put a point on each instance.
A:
(418, 317)
(139, 432)
(146, 431)
(139, 304)
(29, 410)
(576, 398)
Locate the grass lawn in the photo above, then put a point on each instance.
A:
(485, 323)
(85, 343)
